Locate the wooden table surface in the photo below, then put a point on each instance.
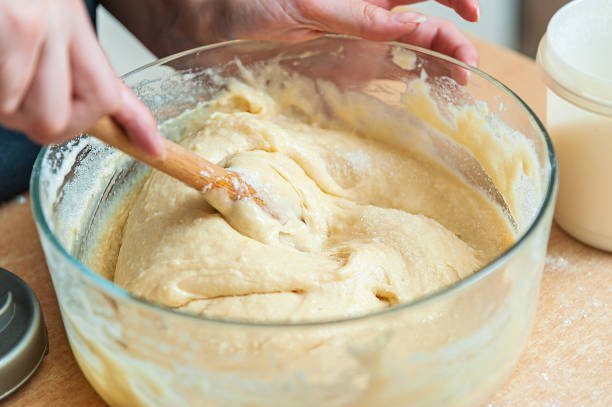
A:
(568, 358)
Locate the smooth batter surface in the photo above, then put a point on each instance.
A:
(361, 223)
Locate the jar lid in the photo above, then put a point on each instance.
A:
(574, 54)
(23, 336)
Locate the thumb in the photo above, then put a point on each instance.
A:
(365, 20)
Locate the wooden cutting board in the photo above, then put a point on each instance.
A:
(568, 360)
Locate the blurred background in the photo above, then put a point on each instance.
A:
(515, 24)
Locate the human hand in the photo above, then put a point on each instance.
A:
(55, 80)
(297, 20)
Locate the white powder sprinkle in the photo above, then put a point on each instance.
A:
(556, 263)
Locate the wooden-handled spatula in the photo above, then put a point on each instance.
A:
(179, 163)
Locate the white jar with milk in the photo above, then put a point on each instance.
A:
(575, 57)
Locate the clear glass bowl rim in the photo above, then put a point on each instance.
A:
(116, 291)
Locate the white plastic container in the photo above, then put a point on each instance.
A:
(575, 57)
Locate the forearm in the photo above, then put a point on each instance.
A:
(169, 26)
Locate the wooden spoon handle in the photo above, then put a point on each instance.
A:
(178, 162)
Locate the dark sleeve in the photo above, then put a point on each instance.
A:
(17, 153)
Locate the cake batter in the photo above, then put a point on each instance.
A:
(360, 223)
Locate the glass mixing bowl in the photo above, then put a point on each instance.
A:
(453, 347)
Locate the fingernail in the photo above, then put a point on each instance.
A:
(410, 17)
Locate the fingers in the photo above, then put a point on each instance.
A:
(373, 20)
(21, 40)
(360, 18)
(139, 124)
(442, 36)
(468, 9)
(47, 102)
(98, 92)
(96, 88)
